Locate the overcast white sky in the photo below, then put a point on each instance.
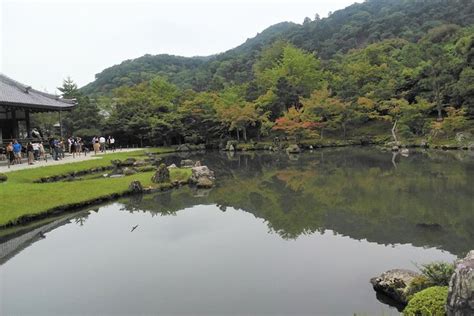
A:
(44, 41)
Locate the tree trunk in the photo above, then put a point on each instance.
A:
(322, 132)
(238, 135)
(245, 134)
(394, 128)
(440, 113)
(439, 106)
(344, 130)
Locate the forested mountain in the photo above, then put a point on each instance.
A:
(353, 27)
(405, 65)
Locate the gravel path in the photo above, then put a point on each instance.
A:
(68, 159)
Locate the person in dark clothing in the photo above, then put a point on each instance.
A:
(10, 154)
(30, 153)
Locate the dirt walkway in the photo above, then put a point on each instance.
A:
(51, 162)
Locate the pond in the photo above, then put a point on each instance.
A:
(292, 235)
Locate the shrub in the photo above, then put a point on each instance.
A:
(418, 284)
(438, 273)
(429, 302)
(3, 177)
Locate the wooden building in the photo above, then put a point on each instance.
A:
(18, 101)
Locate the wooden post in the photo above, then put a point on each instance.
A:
(15, 123)
(27, 121)
(60, 126)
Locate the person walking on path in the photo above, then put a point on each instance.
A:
(96, 145)
(10, 154)
(78, 146)
(55, 148)
(42, 152)
(72, 147)
(36, 150)
(102, 144)
(30, 154)
(17, 151)
(112, 143)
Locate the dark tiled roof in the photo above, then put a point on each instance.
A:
(17, 94)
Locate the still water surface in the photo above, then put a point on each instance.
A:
(280, 235)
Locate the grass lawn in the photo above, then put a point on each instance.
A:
(20, 196)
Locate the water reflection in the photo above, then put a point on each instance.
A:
(426, 201)
(277, 235)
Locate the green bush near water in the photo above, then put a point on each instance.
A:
(429, 302)
(438, 273)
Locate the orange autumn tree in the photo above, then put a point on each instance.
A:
(295, 126)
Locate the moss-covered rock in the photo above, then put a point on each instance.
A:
(161, 175)
(430, 301)
(394, 284)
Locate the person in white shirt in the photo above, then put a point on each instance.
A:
(112, 143)
(102, 144)
(36, 150)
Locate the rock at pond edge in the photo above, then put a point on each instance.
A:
(135, 186)
(461, 288)
(394, 283)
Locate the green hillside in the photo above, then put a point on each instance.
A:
(353, 27)
(356, 74)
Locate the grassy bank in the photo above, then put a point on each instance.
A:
(20, 196)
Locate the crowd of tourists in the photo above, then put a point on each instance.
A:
(34, 152)
(101, 144)
(75, 146)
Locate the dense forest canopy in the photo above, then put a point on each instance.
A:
(379, 63)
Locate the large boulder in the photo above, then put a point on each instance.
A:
(461, 288)
(394, 284)
(135, 187)
(293, 149)
(202, 177)
(205, 183)
(3, 177)
(161, 175)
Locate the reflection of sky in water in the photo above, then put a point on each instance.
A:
(203, 261)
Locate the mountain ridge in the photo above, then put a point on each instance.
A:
(353, 27)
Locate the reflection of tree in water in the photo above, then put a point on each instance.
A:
(356, 192)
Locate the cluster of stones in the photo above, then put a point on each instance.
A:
(73, 175)
(126, 167)
(462, 141)
(201, 176)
